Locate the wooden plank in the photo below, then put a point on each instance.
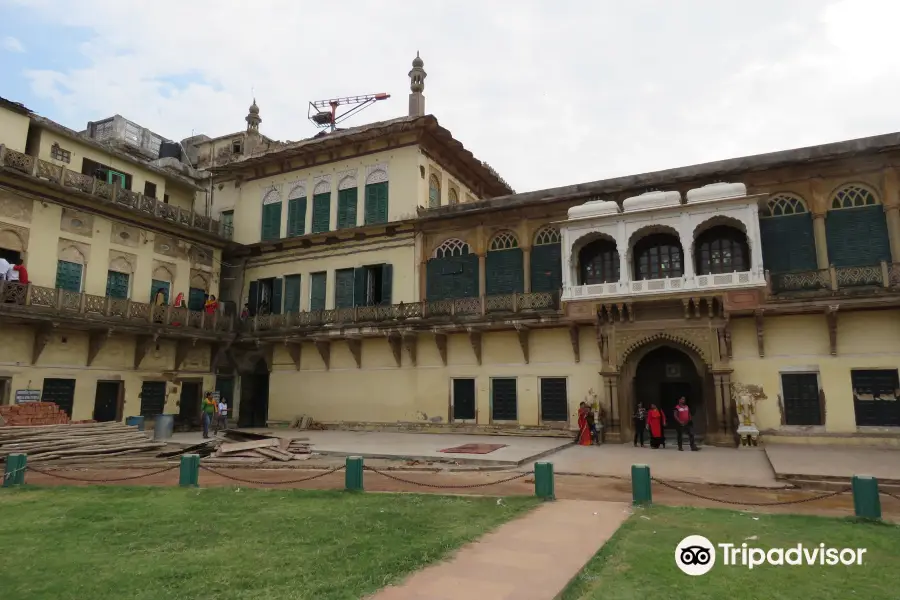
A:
(251, 445)
(274, 454)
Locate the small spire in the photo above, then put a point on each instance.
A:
(417, 85)
(252, 118)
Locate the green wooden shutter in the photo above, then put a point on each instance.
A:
(196, 299)
(346, 208)
(116, 284)
(292, 294)
(68, 276)
(155, 286)
(857, 237)
(321, 212)
(277, 285)
(360, 287)
(452, 277)
(296, 216)
(546, 268)
(253, 298)
(504, 272)
(376, 208)
(343, 288)
(317, 287)
(271, 221)
(788, 243)
(387, 284)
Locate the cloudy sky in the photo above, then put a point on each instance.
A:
(548, 93)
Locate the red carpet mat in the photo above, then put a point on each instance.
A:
(474, 448)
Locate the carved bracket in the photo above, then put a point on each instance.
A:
(41, 338)
(355, 345)
(96, 342)
(324, 348)
(831, 315)
(574, 337)
(411, 341)
(475, 340)
(295, 350)
(394, 342)
(217, 351)
(603, 344)
(182, 350)
(522, 332)
(440, 341)
(141, 347)
(760, 344)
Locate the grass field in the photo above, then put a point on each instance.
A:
(639, 560)
(112, 543)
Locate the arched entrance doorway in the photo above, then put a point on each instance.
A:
(662, 376)
(254, 409)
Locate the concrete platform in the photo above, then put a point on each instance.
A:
(801, 462)
(723, 466)
(414, 446)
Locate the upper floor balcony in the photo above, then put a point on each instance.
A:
(655, 244)
(110, 193)
(835, 280)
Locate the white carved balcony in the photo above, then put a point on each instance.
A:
(650, 287)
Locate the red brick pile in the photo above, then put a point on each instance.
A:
(34, 413)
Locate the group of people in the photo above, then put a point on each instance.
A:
(213, 413)
(654, 421)
(587, 426)
(13, 271)
(210, 305)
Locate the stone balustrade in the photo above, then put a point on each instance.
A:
(884, 275)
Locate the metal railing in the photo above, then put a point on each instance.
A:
(481, 306)
(832, 279)
(60, 302)
(112, 193)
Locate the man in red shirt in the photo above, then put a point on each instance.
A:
(22, 271)
(684, 424)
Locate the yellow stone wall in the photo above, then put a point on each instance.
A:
(50, 232)
(13, 130)
(865, 340)
(65, 357)
(398, 251)
(381, 392)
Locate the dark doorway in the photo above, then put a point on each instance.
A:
(255, 397)
(801, 399)
(225, 387)
(463, 399)
(504, 400)
(876, 397)
(11, 256)
(61, 392)
(554, 400)
(189, 406)
(153, 398)
(662, 377)
(107, 401)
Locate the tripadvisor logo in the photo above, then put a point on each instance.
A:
(696, 555)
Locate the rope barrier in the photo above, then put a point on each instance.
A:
(260, 482)
(109, 480)
(741, 503)
(448, 487)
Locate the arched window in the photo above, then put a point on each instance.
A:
(783, 205)
(504, 265)
(721, 249)
(546, 260)
(453, 197)
(658, 256)
(451, 247)
(452, 272)
(504, 241)
(434, 192)
(598, 262)
(786, 231)
(856, 228)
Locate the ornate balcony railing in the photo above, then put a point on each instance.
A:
(32, 299)
(483, 306)
(644, 287)
(832, 279)
(107, 192)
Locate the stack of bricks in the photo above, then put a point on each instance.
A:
(33, 413)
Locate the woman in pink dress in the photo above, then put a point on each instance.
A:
(584, 432)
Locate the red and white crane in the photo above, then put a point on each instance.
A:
(324, 113)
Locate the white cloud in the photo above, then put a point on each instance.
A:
(11, 44)
(548, 94)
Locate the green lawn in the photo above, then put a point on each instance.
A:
(112, 543)
(639, 561)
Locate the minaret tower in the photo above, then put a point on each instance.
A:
(417, 86)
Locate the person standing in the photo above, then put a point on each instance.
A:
(20, 271)
(222, 417)
(684, 424)
(592, 425)
(209, 409)
(656, 423)
(640, 423)
(584, 433)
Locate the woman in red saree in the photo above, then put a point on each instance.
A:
(584, 432)
(656, 422)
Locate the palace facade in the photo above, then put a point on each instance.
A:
(390, 277)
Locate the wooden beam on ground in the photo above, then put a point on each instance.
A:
(355, 345)
(440, 340)
(411, 342)
(394, 342)
(96, 341)
(522, 332)
(324, 348)
(575, 338)
(475, 340)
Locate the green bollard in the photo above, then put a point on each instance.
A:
(543, 481)
(866, 501)
(641, 493)
(353, 474)
(14, 473)
(189, 474)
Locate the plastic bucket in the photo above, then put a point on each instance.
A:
(135, 421)
(163, 427)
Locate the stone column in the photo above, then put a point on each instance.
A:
(423, 280)
(526, 266)
(892, 214)
(821, 240)
(721, 431)
(482, 274)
